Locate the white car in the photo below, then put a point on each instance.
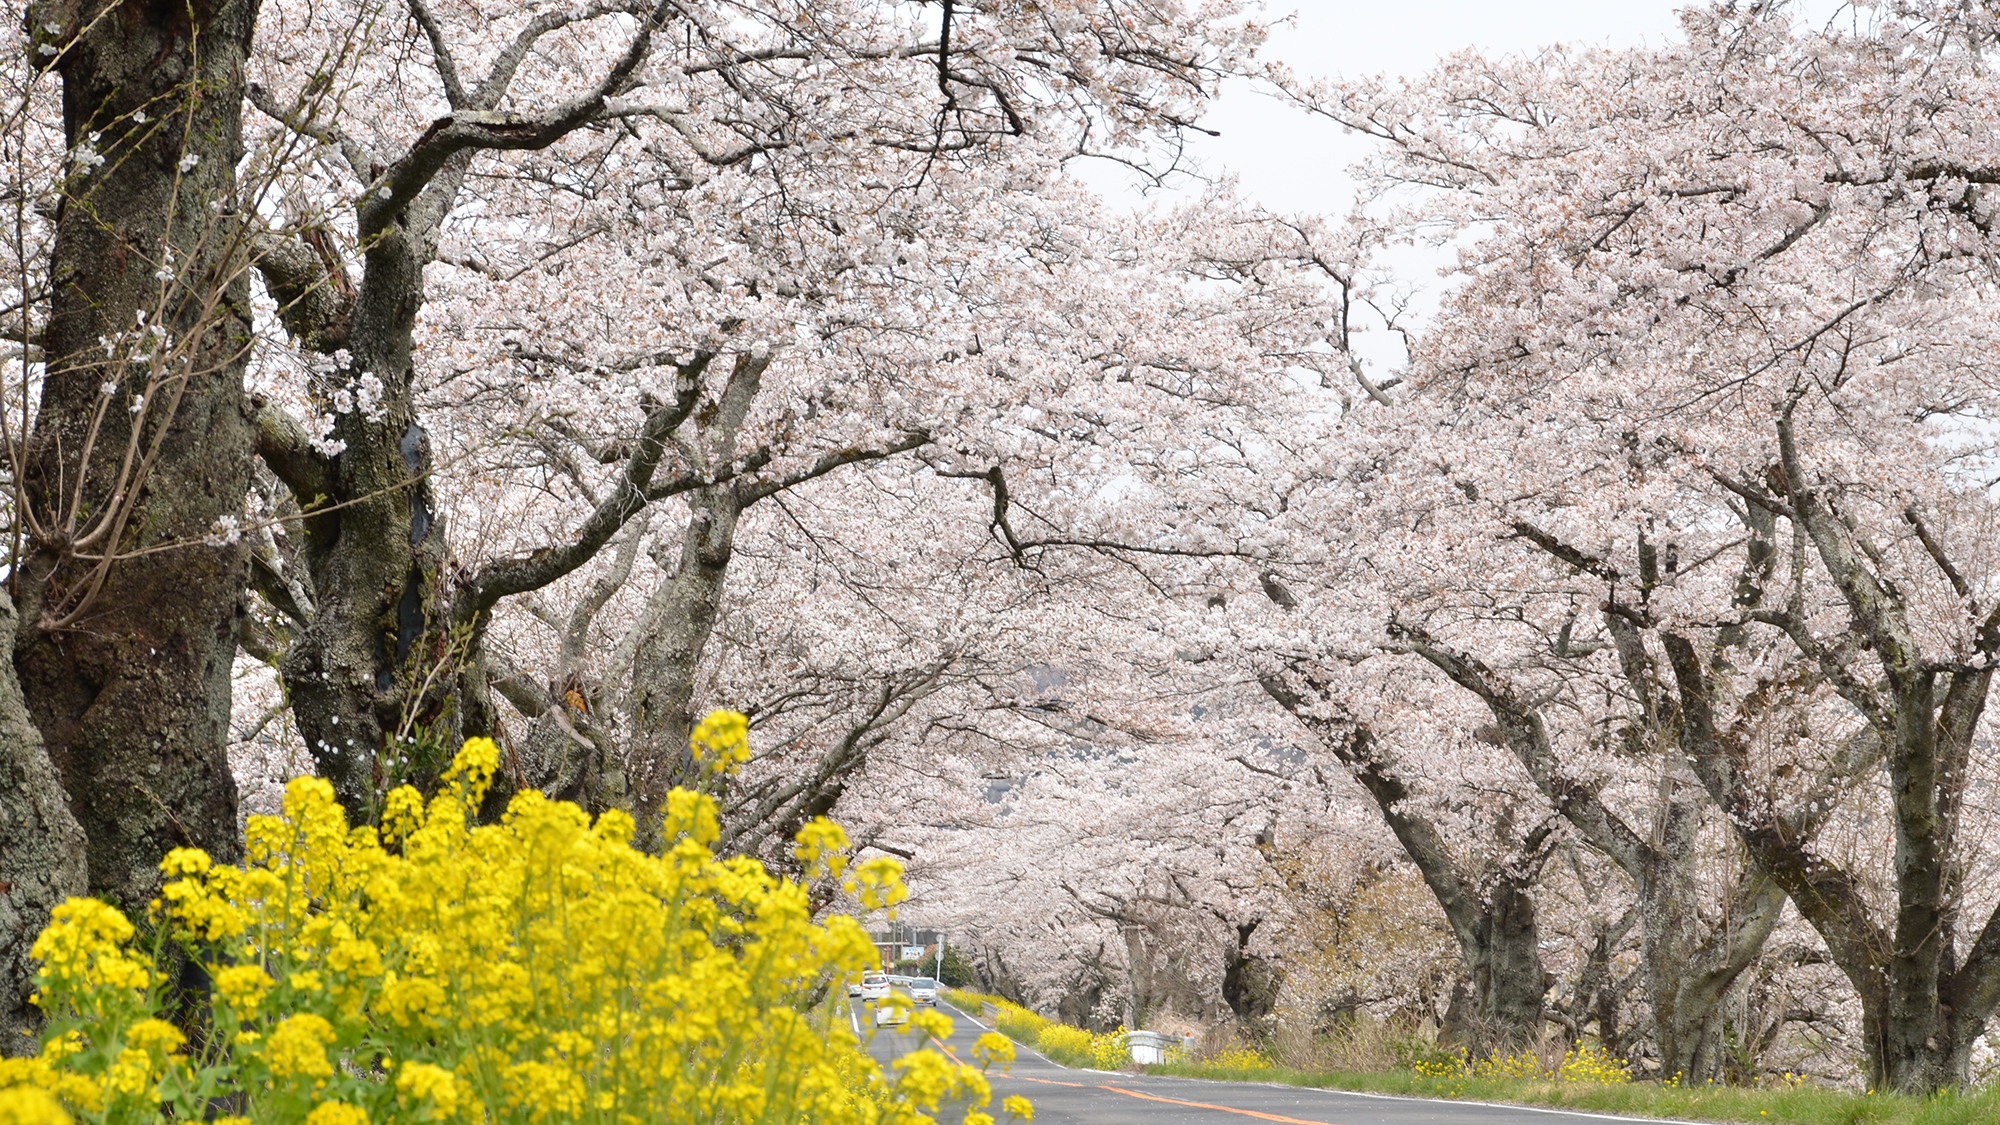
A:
(874, 986)
(892, 1015)
(923, 990)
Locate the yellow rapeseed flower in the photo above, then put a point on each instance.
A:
(931, 1022)
(25, 1105)
(243, 987)
(335, 1113)
(691, 816)
(822, 848)
(526, 972)
(130, 1073)
(722, 741)
(297, 1047)
(993, 1047)
(155, 1036)
(432, 1090)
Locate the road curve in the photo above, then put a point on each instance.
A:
(1063, 1096)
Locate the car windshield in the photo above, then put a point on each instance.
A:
(922, 982)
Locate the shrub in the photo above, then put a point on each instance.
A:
(1110, 1050)
(1238, 1057)
(1070, 1046)
(537, 970)
(1064, 1044)
(1583, 1064)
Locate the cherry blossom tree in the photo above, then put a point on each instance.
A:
(771, 224)
(747, 226)
(1720, 356)
(1139, 877)
(1482, 869)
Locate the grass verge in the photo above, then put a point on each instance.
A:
(1789, 1105)
(1784, 1105)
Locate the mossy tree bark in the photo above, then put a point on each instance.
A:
(130, 604)
(41, 851)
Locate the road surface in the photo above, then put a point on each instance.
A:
(1086, 1097)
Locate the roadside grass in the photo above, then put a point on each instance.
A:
(1782, 1105)
(1768, 1105)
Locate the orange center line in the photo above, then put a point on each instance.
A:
(1053, 1082)
(1223, 1108)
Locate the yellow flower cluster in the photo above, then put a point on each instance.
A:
(1524, 1065)
(1110, 1051)
(1594, 1066)
(536, 970)
(722, 741)
(1239, 1058)
(1014, 1020)
(1584, 1063)
(1070, 1046)
(1064, 1043)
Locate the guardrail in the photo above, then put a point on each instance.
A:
(1150, 1047)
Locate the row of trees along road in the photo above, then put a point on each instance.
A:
(392, 344)
(1690, 492)
(554, 372)
(1673, 539)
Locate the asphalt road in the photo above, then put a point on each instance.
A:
(1088, 1097)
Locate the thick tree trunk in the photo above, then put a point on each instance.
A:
(682, 614)
(365, 676)
(1249, 983)
(1598, 990)
(1501, 1013)
(1492, 918)
(1687, 971)
(125, 663)
(1690, 971)
(42, 858)
(370, 676)
(1920, 1013)
(667, 665)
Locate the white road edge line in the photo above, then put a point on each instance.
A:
(1462, 1101)
(1018, 1047)
(1362, 1093)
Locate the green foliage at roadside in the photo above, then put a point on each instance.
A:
(956, 972)
(1785, 1105)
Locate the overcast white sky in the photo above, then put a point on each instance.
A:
(1290, 162)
